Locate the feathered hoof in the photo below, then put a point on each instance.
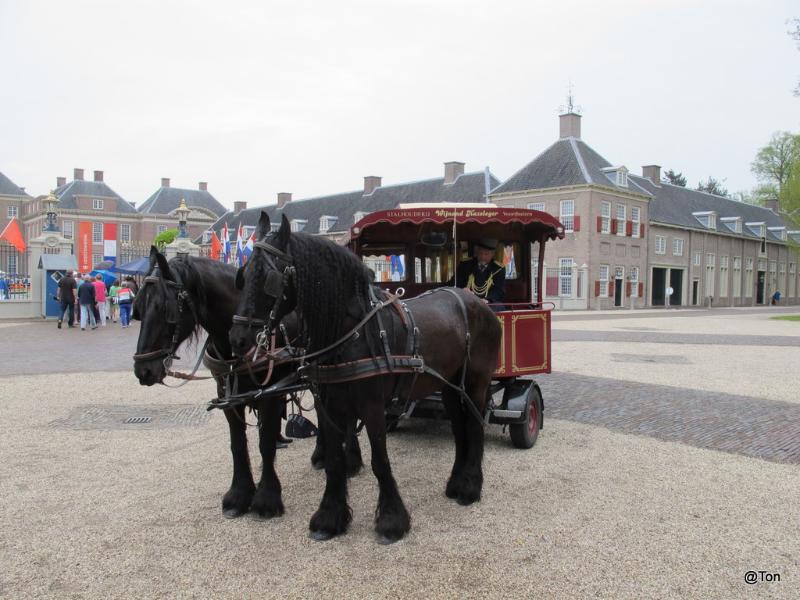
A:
(233, 513)
(320, 536)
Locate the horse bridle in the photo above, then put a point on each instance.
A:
(274, 287)
(181, 298)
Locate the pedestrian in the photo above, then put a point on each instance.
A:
(67, 292)
(132, 284)
(100, 298)
(112, 301)
(125, 297)
(86, 298)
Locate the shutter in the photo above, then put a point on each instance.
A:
(599, 224)
(641, 229)
(641, 290)
(629, 228)
(577, 223)
(551, 285)
(628, 289)
(597, 288)
(613, 227)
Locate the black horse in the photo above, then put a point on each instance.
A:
(332, 293)
(180, 297)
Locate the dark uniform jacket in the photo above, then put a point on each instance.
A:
(496, 292)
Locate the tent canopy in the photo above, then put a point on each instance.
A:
(140, 266)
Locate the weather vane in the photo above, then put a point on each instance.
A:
(570, 106)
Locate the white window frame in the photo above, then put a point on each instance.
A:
(565, 266)
(124, 232)
(706, 218)
(163, 228)
(358, 215)
(622, 178)
(737, 276)
(97, 233)
(620, 220)
(274, 227)
(661, 244)
(247, 231)
(566, 215)
(723, 276)
(540, 206)
(710, 262)
(11, 264)
(605, 270)
(13, 211)
(697, 259)
(636, 219)
(298, 224)
(68, 224)
(97, 203)
(96, 259)
(677, 246)
(634, 280)
(605, 217)
(782, 268)
(711, 259)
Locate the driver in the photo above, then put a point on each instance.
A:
(482, 275)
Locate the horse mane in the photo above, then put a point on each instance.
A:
(327, 277)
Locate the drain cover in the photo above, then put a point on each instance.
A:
(137, 420)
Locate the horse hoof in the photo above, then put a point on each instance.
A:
(232, 513)
(387, 541)
(320, 536)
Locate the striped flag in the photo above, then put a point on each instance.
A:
(226, 244)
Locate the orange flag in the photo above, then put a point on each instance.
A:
(13, 235)
(216, 246)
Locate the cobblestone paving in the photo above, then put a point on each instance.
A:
(108, 417)
(758, 428)
(652, 337)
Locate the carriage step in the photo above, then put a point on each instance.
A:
(506, 414)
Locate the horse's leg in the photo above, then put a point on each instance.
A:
(472, 474)
(452, 404)
(392, 520)
(333, 515)
(236, 500)
(352, 451)
(267, 501)
(318, 456)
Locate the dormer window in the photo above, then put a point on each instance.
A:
(757, 228)
(248, 230)
(778, 232)
(298, 224)
(97, 203)
(359, 215)
(733, 223)
(617, 175)
(274, 227)
(707, 219)
(794, 234)
(326, 222)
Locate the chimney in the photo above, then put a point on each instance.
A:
(570, 125)
(653, 173)
(284, 198)
(239, 206)
(772, 204)
(452, 170)
(203, 186)
(165, 182)
(370, 183)
(61, 181)
(77, 174)
(98, 176)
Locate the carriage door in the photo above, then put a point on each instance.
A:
(619, 285)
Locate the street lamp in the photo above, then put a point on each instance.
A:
(51, 207)
(182, 213)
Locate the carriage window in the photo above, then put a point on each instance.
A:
(433, 265)
(509, 256)
(388, 264)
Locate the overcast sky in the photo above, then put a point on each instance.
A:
(309, 97)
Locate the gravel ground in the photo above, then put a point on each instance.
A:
(587, 513)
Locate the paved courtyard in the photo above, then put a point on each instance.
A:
(668, 467)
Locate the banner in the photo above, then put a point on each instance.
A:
(84, 246)
(110, 242)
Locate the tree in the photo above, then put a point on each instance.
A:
(674, 178)
(712, 186)
(165, 237)
(789, 196)
(773, 163)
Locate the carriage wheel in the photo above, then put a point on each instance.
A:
(524, 435)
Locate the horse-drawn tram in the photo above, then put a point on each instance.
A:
(415, 249)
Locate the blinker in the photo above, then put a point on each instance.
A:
(273, 284)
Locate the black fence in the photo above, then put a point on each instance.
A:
(15, 280)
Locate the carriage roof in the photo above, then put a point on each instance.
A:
(407, 222)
